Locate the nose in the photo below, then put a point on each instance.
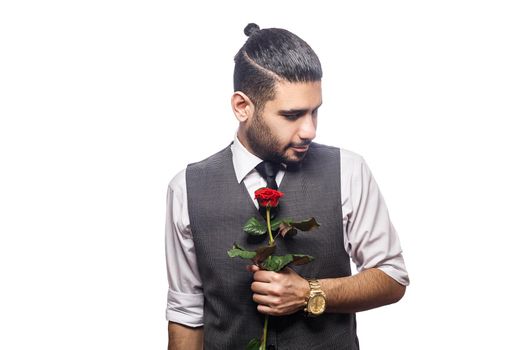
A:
(308, 127)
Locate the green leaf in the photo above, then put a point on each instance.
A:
(276, 223)
(254, 228)
(263, 253)
(240, 252)
(254, 344)
(276, 262)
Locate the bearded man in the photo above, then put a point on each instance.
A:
(214, 303)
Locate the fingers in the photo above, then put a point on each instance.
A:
(269, 305)
(260, 288)
(266, 310)
(265, 300)
(274, 306)
(252, 268)
(276, 292)
(265, 276)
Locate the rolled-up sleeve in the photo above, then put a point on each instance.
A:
(370, 237)
(185, 298)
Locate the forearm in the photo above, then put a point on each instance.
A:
(184, 338)
(366, 290)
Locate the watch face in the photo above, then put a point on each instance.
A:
(317, 304)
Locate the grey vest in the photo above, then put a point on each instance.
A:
(218, 208)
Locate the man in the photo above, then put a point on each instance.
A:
(216, 304)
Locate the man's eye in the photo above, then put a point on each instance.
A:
(291, 116)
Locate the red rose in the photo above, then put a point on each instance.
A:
(268, 197)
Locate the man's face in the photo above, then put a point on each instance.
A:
(287, 124)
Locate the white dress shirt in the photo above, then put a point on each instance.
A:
(369, 237)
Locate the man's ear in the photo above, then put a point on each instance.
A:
(242, 106)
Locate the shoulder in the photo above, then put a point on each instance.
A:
(178, 182)
(318, 152)
(348, 158)
(352, 164)
(354, 168)
(321, 147)
(215, 159)
(351, 157)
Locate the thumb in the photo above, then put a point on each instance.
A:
(252, 268)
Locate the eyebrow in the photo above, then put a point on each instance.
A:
(297, 111)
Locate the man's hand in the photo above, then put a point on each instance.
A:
(278, 293)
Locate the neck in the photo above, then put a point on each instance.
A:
(243, 139)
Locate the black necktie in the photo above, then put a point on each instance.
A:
(268, 171)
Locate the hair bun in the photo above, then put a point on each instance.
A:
(251, 28)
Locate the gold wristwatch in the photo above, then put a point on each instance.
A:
(316, 300)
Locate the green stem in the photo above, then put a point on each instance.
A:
(268, 223)
(265, 331)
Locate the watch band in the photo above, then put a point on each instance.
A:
(316, 299)
(314, 285)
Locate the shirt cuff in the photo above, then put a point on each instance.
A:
(186, 309)
(396, 271)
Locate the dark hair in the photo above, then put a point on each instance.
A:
(269, 55)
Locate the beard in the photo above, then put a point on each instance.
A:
(266, 145)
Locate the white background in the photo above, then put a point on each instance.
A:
(102, 102)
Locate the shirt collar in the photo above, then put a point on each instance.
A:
(243, 161)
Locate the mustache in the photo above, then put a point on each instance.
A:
(301, 144)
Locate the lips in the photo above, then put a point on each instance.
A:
(300, 148)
